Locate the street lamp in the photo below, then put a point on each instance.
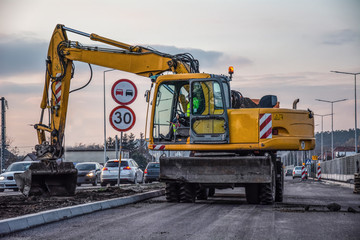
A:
(356, 149)
(322, 131)
(332, 122)
(105, 115)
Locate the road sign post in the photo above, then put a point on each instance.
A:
(122, 118)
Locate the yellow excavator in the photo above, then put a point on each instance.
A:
(221, 138)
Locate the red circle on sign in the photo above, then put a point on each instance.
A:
(111, 120)
(113, 94)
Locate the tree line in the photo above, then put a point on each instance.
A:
(342, 138)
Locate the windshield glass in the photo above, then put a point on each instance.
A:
(154, 165)
(85, 167)
(116, 164)
(164, 105)
(298, 168)
(18, 167)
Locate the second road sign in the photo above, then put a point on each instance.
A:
(122, 118)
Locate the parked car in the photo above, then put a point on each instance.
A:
(7, 180)
(288, 172)
(88, 172)
(152, 172)
(130, 172)
(297, 172)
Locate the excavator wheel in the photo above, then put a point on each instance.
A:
(48, 178)
(252, 193)
(211, 192)
(267, 191)
(172, 192)
(202, 193)
(279, 182)
(187, 192)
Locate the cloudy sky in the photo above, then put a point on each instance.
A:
(286, 48)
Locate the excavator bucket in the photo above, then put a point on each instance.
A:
(48, 178)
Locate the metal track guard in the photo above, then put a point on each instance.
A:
(249, 169)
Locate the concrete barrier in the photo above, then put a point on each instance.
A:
(341, 169)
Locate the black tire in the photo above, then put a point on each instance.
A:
(78, 184)
(279, 182)
(202, 194)
(187, 192)
(211, 192)
(267, 191)
(172, 192)
(95, 182)
(252, 193)
(1, 190)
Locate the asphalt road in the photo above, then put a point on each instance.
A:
(302, 215)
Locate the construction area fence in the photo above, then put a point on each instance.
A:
(340, 169)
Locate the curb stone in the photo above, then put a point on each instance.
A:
(11, 225)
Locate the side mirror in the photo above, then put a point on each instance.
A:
(147, 95)
(268, 101)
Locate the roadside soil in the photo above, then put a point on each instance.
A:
(19, 205)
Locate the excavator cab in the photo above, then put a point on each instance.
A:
(192, 111)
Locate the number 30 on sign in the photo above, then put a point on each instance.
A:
(122, 118)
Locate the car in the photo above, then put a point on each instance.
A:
(130, 172)
(7, 180)
(152, 172)
(297, 172)
(88, 172)
(288, 172)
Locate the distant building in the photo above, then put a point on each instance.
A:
(77, 156)
(30, 157)
(344, 151)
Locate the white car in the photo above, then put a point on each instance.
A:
(7, 180)
(297, 172)
(130, 172)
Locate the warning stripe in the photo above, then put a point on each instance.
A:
(158, 147)
(58, 92)
(265, 125)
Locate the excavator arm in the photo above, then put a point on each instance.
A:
(51, 175)
(59, 72)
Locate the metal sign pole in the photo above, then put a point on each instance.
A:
(121, 136)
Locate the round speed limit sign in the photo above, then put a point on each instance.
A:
(122, 118)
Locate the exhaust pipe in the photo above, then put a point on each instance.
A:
(296, 101)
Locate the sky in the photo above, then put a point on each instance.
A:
(284, 48)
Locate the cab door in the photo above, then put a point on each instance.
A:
(208, 112)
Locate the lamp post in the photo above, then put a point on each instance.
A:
(356, 149)
(332, 122)
(322, 131)
(105, 114)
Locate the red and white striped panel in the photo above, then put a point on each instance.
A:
(319, 172)
(158, 147)
(58, 92)
(265, 124)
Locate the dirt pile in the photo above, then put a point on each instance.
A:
(14, 206)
